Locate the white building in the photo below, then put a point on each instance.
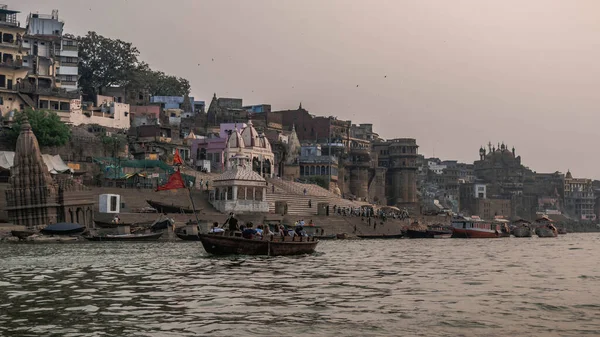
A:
(436, 167)
(53, 57)
(108, 113)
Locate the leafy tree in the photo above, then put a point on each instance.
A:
(105, 62)
(46, 125)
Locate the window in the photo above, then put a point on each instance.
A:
(7, 58)
(113, 203)
(2, 81)
(8, 38)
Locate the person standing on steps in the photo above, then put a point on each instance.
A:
(309, 203)
(305, 192)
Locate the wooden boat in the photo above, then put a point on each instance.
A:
(546, 231)
(325, 237)
(226, 245)
(432, 232)
(24, 234)
(562, 231)
(474, 228)
(169, 208)
(341, 236)
(110, 224)
(63, 228)
(545, 228)
(125, 237)
(522, 231)
(380, 236)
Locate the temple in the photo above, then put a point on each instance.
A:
(34, 199)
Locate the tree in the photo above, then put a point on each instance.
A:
(105, 62)
(46, 125)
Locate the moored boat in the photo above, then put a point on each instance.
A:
(562, 231)
(418, 231)
(474, 227)
(162, 207)
(380, 236)
(110, 224)
(545, 228)
(522, 229)
(63, 228)
(227, 245)
(23, 234)
(125, 237)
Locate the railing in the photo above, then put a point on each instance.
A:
(12, 63)
(28, 88)
(70, 47)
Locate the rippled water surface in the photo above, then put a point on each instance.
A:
(497, 287)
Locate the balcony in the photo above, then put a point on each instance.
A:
(28, 88)
(15, 64)
(70, 47)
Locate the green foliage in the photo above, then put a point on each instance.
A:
(108, 62)
(46, 125)
(115, 143)
(319, 180)
(105, 62)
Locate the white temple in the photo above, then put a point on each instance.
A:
(240, 189)
(255, 147)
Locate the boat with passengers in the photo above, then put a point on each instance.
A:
(474, 227)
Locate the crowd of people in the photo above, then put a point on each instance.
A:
(249, 231)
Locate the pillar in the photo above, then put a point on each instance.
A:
(234, 193)
(226, 192)
(245, 193)
(253, 193)
(264, 195)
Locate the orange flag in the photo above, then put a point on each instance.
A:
(175, 182)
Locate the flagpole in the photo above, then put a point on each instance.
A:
(193, 206)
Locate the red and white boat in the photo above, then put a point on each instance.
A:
(474, 228)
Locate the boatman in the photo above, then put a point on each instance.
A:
(233, 222)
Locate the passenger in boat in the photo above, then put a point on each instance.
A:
(281, 231)
(116, 219)
(216, 229)
(259, 230)
(267, 230)
(249, 232)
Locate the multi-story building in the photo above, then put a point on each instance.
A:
(579, 197)
(53, 56)
(399, 157)
(12, 68)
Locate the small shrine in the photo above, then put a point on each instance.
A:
(240, 189)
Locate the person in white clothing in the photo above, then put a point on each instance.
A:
(216, 229)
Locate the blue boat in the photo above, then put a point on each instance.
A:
(63, 228)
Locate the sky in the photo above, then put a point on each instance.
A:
(455, 75)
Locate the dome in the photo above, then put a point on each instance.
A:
(250, 135)
(235, 140)
(264, 142)
(569, 175)
(240, 173)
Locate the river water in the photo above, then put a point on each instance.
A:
(493, 287)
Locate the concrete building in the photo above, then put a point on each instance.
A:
(105, 112)
(12, 68)
(399, 157)
(226, 110)
(474, 200)
(579, 197)
(53, 55)
(177, 102)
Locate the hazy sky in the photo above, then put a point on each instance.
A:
(459, 73)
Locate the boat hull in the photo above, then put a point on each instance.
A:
(22, 235)
(380, 236)
(428, 234)
(229, 245)
(166, 208)
(132, 237)
(545, 233)
(188, 237)
(474, 233)
(522, 232)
